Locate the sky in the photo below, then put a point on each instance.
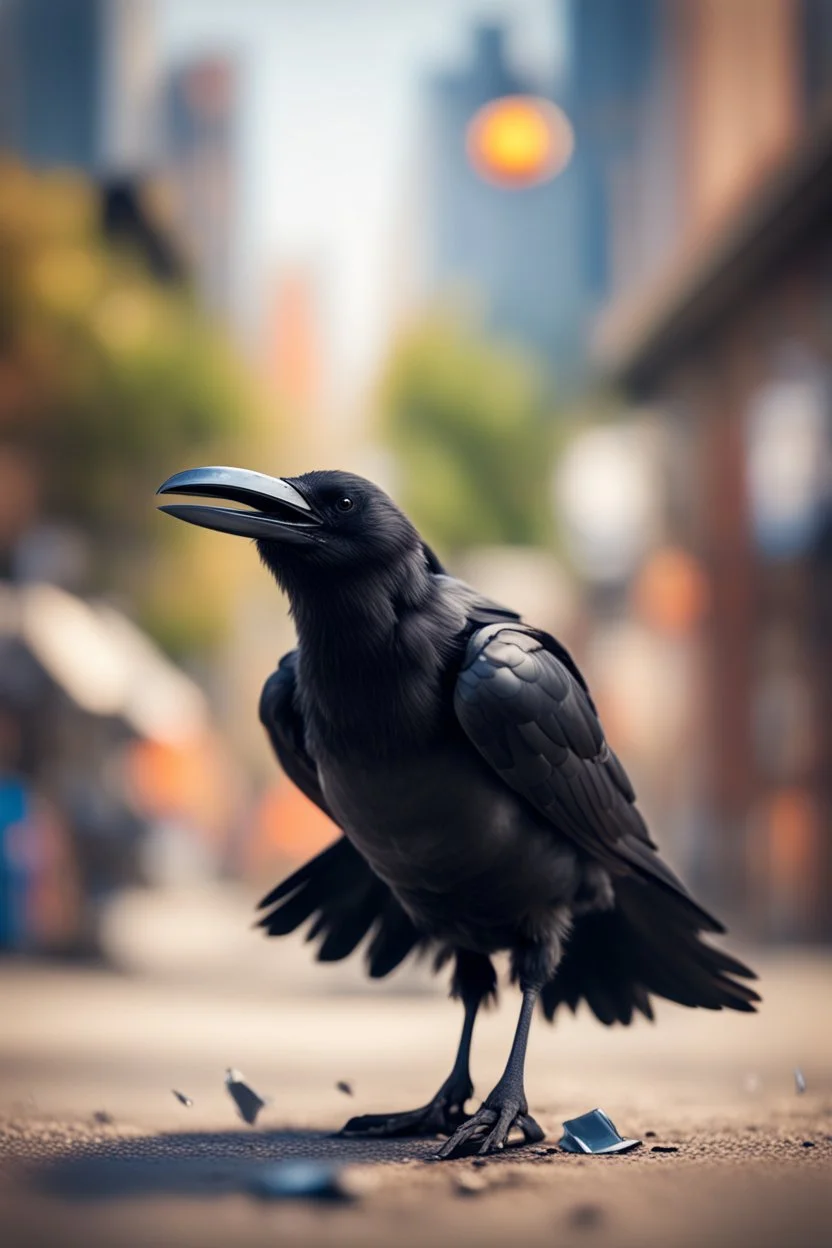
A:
(330, 94)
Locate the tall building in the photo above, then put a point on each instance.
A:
(727, 334)
(618, 102)
(513, 249)
(199, 128)
(546, 258)
(77, 84)
(681, 107)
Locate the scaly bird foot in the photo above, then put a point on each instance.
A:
(487, 1130)
(441, 1116)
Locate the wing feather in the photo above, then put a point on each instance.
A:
(338, 890)
(525, 706)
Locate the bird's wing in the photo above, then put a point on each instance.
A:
(281, 716)
(525, 706)
(338, 889)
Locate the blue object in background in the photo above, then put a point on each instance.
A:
(15, 867)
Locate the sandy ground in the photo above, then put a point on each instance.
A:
(753, 1163)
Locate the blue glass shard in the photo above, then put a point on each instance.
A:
(594, 1133)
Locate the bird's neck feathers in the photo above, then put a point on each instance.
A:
(358, 609)
(361, 636)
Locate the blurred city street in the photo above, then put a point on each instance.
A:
(556, 276)
(88, 1060)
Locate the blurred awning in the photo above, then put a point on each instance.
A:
(104, 662)
(638, 336)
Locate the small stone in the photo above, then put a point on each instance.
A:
(182, 1098)
(799, 1081)
(664, 1148)
(103, 1118)
(344, 1087)
(471, 1184)
(649, 1135)
(808, 1143)
(584, 1217)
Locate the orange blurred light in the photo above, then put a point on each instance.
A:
(671, 592)
(519, 141)
(287, 825)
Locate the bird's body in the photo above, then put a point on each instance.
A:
(460, 753)
(467, 859)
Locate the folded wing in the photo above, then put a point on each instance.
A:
(525, 706)
(337, 892)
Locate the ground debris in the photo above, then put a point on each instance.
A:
(182, 1098)
(799, 1081)
(594, 1132)
(103, 1118)
(665, 1148)
(583, 1217)
(471, 1184)
(310, 1180)
(346, 1088)
(244, 1097)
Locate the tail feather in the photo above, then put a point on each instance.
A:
(345, 900)
(649, 943)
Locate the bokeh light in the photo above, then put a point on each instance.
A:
(519, 141)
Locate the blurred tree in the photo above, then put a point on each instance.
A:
(470, 423)
(109, 381)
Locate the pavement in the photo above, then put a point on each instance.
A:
(96, 1150)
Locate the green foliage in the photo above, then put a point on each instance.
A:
(471, 427)
(109, 380)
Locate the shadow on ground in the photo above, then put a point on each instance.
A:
(204, 1163)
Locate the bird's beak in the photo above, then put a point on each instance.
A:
(279, 512)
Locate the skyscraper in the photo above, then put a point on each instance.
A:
(77, 84)
(199, 128)
(619, 103)
(545, 258)
(512, 248)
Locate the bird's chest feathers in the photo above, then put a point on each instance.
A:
(376, 712)
(374, 688)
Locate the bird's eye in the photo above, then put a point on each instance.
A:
(344, 504)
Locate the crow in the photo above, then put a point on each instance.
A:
(482, 810)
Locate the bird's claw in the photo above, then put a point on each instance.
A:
(441, 1116)
(487, 1130)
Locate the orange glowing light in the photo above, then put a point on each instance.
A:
(671, 592)
(519, 141)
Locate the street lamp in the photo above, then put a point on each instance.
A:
(519, 141)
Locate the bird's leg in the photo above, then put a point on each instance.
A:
(505, 1107)
(473, 981)
(444, 1112)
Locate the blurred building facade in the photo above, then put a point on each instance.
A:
(78, 84)
(497, 243)
(199, 140)
(726, 327)
(545, 258)
(617, 95)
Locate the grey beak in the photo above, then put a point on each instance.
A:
(280, 512)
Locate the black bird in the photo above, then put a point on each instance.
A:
(460, 752)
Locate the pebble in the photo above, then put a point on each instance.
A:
(585, 1216)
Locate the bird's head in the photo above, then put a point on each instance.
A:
(317, 528)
